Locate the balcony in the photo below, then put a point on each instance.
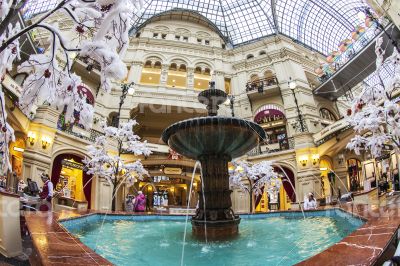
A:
(272, 146)
(89, 135)
(262, 87)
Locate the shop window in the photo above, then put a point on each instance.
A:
(354, 175)
(202, 78)
(199, 41)
(155, 35)
(207, 42)
(113, 119)
(177, 37)
(185, 39)
(223, 46)
(163, 36)
(227, 85)
(177, 76)
(70, 183)
(326, 114)
(151, 73)
(262, 53)
(138, 35)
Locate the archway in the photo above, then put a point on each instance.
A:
(286, 192)
(68, 171)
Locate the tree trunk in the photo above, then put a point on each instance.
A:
(113, 203)
(251, 200)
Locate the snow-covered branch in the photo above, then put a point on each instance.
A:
(375, 113)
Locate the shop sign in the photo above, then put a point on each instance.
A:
(12, 86)
(338, 125)
(70, 164)
(172, 171)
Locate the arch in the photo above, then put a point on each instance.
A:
(157, 65)
(173, 66)
(249, 56)
(161, 28)
(182, 67)
(327, 114)
(57, 166)
(268, 73)
(155, 57)
(112, 119)
(148, 64)
(197, 70)
(262, 52)
(287, 183)
(269, 112)
(254, 77)
(200, 62)
(203, 34)
(182, 31)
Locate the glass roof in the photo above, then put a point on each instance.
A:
(319, 24)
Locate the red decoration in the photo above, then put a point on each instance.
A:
(349, 112)
(47, 73)
(173, 155)
(80, 29)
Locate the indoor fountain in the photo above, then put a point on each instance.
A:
(214, 141)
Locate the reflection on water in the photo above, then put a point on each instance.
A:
(267, 241)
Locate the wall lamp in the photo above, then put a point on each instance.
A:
(315, 159)
(303, 160)
(46, 140)
(31, 137)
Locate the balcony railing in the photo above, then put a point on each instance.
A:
(89, 135)
(261, 84)
(273, 146)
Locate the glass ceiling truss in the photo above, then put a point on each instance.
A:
(319, 24)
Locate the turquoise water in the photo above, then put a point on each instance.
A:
(263, 240)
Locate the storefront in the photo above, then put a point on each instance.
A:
(278, 200)
(355, 178)
(71, 183)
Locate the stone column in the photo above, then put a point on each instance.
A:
(135, 72)
(190, 78)
(164, 75)
(219, 80)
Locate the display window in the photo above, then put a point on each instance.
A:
(70, 183)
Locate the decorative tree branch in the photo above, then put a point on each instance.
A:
(375, 114)
(258, 176)
(106, 21)
(112, 167)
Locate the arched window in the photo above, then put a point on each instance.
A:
(269, 78)
(151, 72)
(250, 56)
(262, 52)
(177, 75)
(327, 114)
(112, 119)
(202, 77)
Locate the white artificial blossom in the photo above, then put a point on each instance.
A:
(375, 113)
(103, 163)
(102, 28)
(252, 177)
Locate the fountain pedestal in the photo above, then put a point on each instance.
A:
(220, 220)
(214, 141)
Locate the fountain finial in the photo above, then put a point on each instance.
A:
(212, 97)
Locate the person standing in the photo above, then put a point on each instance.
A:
(46, 194)
(310, 203)
(140, 203)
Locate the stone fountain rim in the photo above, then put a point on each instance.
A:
(212, 120)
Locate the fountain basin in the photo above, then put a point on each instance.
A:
(283, 238)
(213, 135)
(214, 141)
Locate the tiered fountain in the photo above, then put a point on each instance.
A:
(214, 141)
